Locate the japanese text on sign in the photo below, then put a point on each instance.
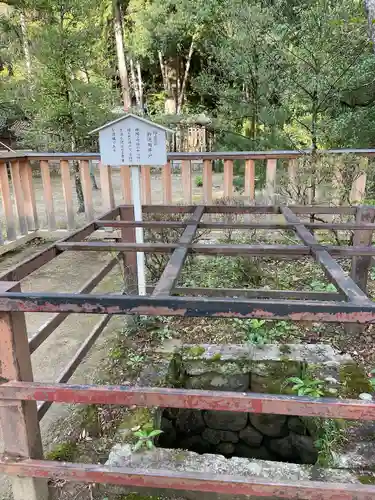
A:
(132, 141)
(149, 145)
(138, 145)
(130, 146)
(113, 139)
(122, 145)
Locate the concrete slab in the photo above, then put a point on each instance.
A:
(160, 459)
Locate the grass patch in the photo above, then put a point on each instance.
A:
(63, 452)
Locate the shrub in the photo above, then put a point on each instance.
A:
(199, 181)
(239, 183)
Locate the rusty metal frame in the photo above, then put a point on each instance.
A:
(349, 305)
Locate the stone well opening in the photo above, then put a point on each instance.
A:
(248, 368)
(247, 435)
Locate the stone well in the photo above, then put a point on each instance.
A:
(246, 444)
(248, 369)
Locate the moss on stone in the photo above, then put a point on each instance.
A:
(63, 452)
(195, 351)
(139, 417)
(175, 372)
(215, 357)
(199, 367)
(366, 479)
(275, 374)
(285, 349)
(353, 380)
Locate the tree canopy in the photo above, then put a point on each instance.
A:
(264, 73)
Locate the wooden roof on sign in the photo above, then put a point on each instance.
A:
(131, 115)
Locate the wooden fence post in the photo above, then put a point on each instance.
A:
(358, 191)
(146, 185)
(166, 175)
(228, 178)
(68, 192)
(126, 189)
(48, 196)
(292, 179)
(108, 199)
(7, 202)
(207, 182)
(361, 264)
(130, 258)
(271, 179)
(187, 193)
(87, 189)
(19, 419)
(29, 195)
(18, 194)
(249, 187)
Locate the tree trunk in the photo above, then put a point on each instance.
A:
(140, 85)
(186, 74)
(370, 12)
(134, 82)
(314, 146)
(163, 71)
(77, 179)
(25, 45)
(121, 61)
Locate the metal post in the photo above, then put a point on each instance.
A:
(19, 419)
(136, 188)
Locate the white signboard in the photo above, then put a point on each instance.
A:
(132, 141)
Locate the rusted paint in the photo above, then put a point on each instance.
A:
(183, 398)
(297, 310)
(188, 481)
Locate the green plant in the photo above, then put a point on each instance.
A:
(320, 286)
(256, 331)
(145, 439)
(199, 181)
(282, 329)
(306, 386)
(63, 452)
(158, 327)
(330, 435)
(372, 379)
(253, 329)
(133, 359)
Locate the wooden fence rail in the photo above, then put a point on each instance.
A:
(38, 189)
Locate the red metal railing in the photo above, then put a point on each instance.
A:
(18, 393)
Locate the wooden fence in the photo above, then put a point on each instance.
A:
(27, 209)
